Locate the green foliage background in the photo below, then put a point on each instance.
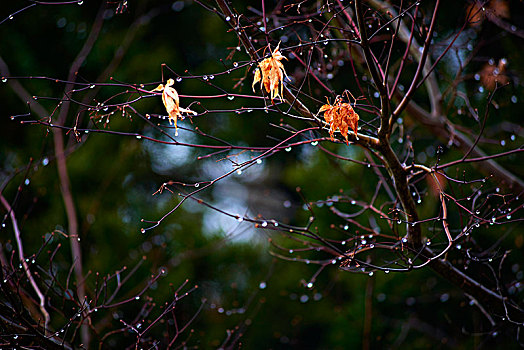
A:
(113, 179)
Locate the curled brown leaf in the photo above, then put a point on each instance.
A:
(172, 102)
(341, 116)
(270, 72)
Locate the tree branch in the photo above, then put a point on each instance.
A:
(18, 238)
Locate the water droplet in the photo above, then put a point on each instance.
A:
(288, 149)
(80, 2)
(508, 216)
(264, 224)
(259, 161)
(138, 137)
(240, 219)
(228, 18)
(370, 274)
(387, 271)
(399, 221)
(353, 202)
(27, 181)
(262, 285)
(304, 298)
(231, 98)
(179, 79)
(497, 190)
(419, 201)
(197, 184)
(346, 227)
(4, 80)
(503, 142)
(205, 77)
(176, 133)
(142, 230)
(239, 171)
(404, 240)
(235, 64)
(314, 143)
(137, 297)
(310, 285)
(343, 242)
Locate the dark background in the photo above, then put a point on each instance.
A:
(262, 298)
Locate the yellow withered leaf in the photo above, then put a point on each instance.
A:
(172, 102)
(270, 72)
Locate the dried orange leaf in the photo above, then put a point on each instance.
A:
(172, 102)
(270, 72)
(256, 79)
(341, 116)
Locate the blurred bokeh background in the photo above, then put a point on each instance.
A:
(254, 295)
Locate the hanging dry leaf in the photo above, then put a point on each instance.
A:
(493, 9)
(270, 72)
(172, 102)
(490, 74)
(340, 116)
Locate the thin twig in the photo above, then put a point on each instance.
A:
(23, 261)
